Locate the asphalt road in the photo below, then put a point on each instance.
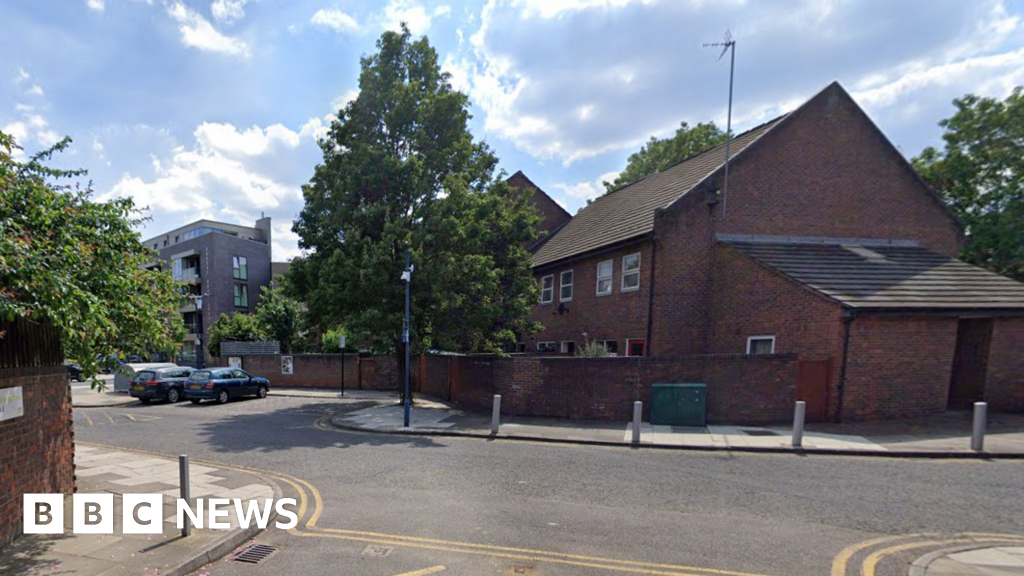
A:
(382, 505)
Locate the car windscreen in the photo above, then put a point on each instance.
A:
(200, 375)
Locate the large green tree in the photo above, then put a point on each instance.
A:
(279, 317)
(400, 168)
(79, 264)
(980, 173)
(235, 327)
(660, 153)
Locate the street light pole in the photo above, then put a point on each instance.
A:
(407, 277)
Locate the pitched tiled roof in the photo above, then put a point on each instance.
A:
(868, 276)
(629, 212)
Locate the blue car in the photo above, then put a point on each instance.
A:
(223, 384)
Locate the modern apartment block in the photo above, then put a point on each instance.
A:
(223, 266)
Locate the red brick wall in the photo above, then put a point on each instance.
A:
(308, 370)
(741, 389)
(829, 172)
(683, 239)
(898, 367)
(619, 316)
(432, 376)
(36, 450)
(1004, 386)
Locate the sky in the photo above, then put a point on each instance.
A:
(212, 109)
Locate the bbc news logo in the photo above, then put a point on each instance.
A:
(144, 513)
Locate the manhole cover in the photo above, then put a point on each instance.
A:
(521, 570)
(378, 551)
(256, 554)
(760, 433)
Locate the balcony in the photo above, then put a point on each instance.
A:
(189, 275)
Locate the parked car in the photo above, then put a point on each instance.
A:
(74, 371)
(160, 384)
(223, 384)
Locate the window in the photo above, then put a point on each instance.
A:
(610, 346)
(165, 243)
(240, 268)
(547, 289)
(568, 347)
(631, 272)
(761, 345)
(636, 347)
(604, 277)
(545, 346)
(521, 347)
(241, 296)
(565, 286)
(175, 239)
(156, 246)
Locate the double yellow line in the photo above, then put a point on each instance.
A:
(882, 548)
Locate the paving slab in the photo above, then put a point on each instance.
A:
(102, 470)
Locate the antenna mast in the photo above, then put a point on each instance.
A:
(728, 45)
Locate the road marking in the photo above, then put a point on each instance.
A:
(424, 572)
(871, 562)
(130, 417)
(86, 414)
(109, 418)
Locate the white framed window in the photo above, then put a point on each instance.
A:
(604, 277)
(567, 347)
(565, 286)
(546, 346)
(631, 272)
(547, 289)
(761, 344)
(610, 346)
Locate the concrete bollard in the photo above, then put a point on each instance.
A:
(978, 430)
(638, 411)
(183, 487)
(799, 413)
(496, 414)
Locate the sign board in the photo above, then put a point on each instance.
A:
(235, 361)
(11, 403)
(341, 341)
(286, 365)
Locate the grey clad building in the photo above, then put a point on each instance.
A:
(222, 266)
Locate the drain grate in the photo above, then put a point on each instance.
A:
(378, 551)
(256, 554)
(760, 433)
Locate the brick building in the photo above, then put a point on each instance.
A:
(224, 264)
(826, 244)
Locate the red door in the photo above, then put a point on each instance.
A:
(812, 378)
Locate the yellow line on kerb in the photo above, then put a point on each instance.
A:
(423, 572)
(871, 562)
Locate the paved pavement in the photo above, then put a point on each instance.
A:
(105, 470)
(972, 561)
(388, 504)
(945, 434)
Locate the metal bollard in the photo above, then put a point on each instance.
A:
(183, 486)
(798, 423)
(638, 411)
(978, 431)
(496, 414)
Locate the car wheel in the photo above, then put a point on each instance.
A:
(173, 395)
(194, 400)
(144, 400)
(80, 379)
(222, 397)
(262, 393)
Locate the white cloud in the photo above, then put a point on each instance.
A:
(576, 79)
(335, 19)
(228, 11)
(342, 100)
(21, 76)
(232, 174)
(197, 32)
(414, 14)
(35, 90)
(587, 190)
(96, 5)
(98, 149)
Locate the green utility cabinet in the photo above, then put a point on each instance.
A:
(679, 404)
